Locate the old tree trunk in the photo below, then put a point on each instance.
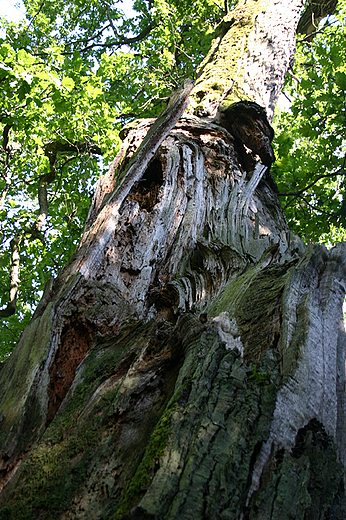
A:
(189, 362)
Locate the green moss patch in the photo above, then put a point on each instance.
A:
(222, 69)
(150, 462)
(255, 299)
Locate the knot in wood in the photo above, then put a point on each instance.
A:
(247, 122)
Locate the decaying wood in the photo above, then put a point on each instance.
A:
(150, 143)
(207, 408)
(189, 362)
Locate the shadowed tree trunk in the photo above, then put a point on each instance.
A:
(189, 362)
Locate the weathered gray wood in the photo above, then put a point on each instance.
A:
(189, 363)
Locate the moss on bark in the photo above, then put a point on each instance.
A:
(221, 72)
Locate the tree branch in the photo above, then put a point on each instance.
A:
(6, 173)
(313, 14)
(122, 40)
(36, 14)
(56, 146)
(14, 277)
(5, 136)
(51, 151)
(16, 337)
(341, 171)
(87, 40)
(319, 210)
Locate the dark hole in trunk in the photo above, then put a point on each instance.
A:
(146, 191)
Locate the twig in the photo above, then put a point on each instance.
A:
(341, 171)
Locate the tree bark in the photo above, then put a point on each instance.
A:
(249, 57)
(189, 362)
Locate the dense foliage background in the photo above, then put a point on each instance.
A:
(311, 137)
(73, 73)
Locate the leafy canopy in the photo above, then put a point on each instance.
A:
(73, 72)
(311, 136)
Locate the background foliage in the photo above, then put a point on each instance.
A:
(76, 71)
(311, 137)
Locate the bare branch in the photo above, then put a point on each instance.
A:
(51, 151)
(6, 173)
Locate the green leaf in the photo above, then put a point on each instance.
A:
(68, 83)
(25, 58)
(340, 80)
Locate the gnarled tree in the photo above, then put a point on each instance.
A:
(189, 362)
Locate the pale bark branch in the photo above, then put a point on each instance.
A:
(6, 173)
(51, 151)
(14, 277)
(35, 231)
